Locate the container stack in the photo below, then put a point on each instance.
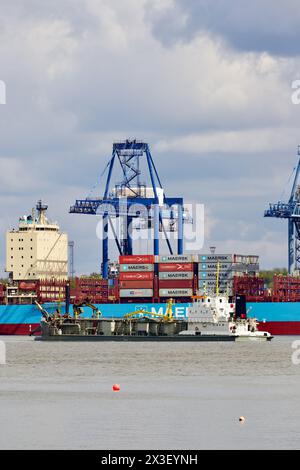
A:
(91, 289)
(136, 277)
(176, 276)
(217, 271)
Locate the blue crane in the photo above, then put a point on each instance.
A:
(291, 211)
(132, 199)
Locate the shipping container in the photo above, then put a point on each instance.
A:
(136, 276)
(176, 258)
(136, 293)
(176, 275)
(211, 275)
(136, 267)
(166, 267)
(176, 284)
(214, 283)
(136, 284)
(215, 258)
(136, 259)
(214, 266)
(175, 292)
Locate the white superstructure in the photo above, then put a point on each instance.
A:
(216, 315)
(37, 250)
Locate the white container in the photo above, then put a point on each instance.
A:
(136, 292)
(176, 259)
(176, 275)
(175, 292)
(210, 258)
(127, 268)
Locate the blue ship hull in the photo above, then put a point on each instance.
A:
(277, 318)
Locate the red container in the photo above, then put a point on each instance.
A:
(136, 284)
(170, 284)
(136, 276)
(165, 267)
(136, 259)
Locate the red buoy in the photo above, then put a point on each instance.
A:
(116, 387)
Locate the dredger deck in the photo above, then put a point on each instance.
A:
(82, 329)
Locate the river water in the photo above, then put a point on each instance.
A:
(173, 395)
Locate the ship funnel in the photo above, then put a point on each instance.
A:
(240, 306)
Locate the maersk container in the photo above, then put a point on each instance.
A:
(169, 267)
(136, 267)
(136, 259)
(215, 258)
(176, 275)
(136, 284)
(214, 266)
(176, 284)
(211, 275)
(136, 293)
(214, 283)
(176, 259)
(136, 276)
(175, 292)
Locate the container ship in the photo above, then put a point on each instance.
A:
(136, 282)
(38, 261)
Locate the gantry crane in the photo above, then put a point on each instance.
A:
(291, 211)
(132, 199)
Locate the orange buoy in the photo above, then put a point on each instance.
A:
(241, 419)
(116, 388)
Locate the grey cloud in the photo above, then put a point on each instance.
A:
(257, 25)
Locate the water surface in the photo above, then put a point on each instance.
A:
(173, 395)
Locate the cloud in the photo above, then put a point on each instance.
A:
(259, 25)
(217, 113)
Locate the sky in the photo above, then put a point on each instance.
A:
(207, 84)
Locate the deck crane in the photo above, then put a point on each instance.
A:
(291, 211)
(165, 317)
(133, 199)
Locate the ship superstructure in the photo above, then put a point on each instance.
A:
(37, 250)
